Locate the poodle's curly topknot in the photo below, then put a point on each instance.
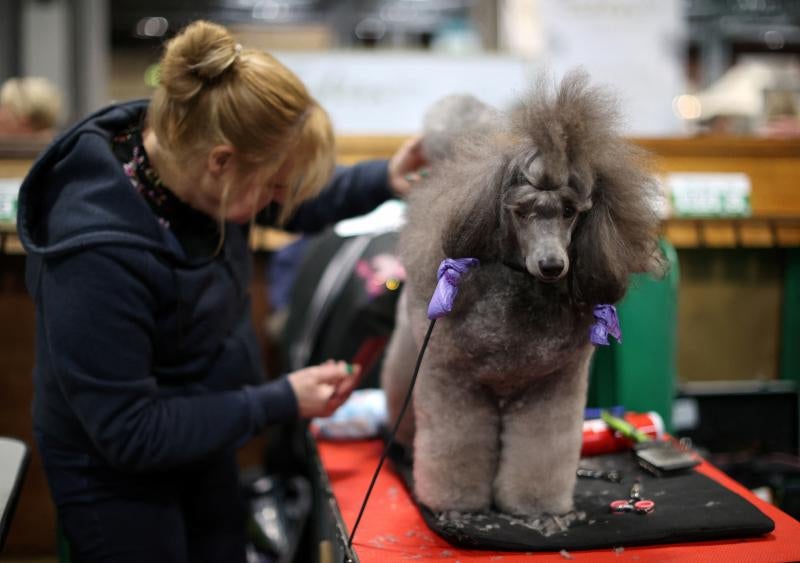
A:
(568, 119)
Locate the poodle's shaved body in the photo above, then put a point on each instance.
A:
(557, 209)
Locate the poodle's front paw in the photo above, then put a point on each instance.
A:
(461, 480)
(526, 505)
(451, 499)
(440, 489)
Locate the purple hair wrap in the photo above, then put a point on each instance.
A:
(450, 272)
(607, 324)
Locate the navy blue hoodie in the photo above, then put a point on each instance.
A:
(144, 356)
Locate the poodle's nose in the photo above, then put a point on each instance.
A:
(551, 267)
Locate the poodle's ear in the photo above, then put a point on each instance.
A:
(472, 227)
(618, 235)
(598, 275)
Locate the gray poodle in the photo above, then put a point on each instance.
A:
(558, 209)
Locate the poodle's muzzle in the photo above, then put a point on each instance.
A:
(548, 262)
(544, 247)
(542, 222)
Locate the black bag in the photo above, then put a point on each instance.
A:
(342, 305)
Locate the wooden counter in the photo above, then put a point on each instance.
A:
(773, 167)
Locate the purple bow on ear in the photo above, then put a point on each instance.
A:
(607, 324)
(450, 272)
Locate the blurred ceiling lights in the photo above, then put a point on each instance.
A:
(152, 27)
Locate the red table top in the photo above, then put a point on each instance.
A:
(392, 528)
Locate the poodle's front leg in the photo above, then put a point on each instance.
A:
(397, 371)
(456, 444)
(541, 442)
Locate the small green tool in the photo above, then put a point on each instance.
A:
(624, 427)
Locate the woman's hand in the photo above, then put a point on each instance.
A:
(405, 167)
(322, 389)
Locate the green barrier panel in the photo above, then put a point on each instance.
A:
(640, 373)
(790, 330)
(64, 553)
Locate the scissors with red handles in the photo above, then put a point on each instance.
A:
(635, 503)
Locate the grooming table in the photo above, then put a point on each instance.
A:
(393, 528)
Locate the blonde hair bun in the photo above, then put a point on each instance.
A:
(200, 54)
(213, 93)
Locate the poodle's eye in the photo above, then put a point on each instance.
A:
(518, 178)
(569, 212)
(521, 212)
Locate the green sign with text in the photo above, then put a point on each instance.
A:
(700, 194)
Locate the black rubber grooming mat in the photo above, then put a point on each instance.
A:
(689, 507)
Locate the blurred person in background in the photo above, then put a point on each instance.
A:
(782, 114)
(756, 96)
(29, 107)
(148, 372)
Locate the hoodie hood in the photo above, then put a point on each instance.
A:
(77, 195)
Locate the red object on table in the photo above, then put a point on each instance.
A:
(599, 438)
(392, 529)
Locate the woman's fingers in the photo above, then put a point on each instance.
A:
(331, 372)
